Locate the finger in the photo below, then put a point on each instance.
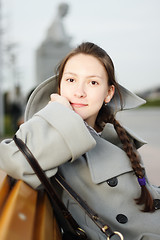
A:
(54, 96)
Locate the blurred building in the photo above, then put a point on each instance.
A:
(150, 94)
(54, 47)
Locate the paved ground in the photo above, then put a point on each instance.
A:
(151, 158)
(146, 123)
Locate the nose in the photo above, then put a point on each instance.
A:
(80, 91)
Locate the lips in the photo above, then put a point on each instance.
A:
(79, 105)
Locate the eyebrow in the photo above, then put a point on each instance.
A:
(70, 73)
(89, 76)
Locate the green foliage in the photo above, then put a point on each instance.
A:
(8, 126)
(152, 103)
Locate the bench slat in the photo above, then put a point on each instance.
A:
(45, 224)
(4, 188)
(17, 218)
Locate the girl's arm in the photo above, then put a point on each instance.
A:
(54, 135)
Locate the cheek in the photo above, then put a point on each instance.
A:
(65, 89)
(62, 90)
(98, 98)
(97, 103)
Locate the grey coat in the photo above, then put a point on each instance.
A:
(95, 166)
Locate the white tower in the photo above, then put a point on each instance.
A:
(55, 46)
(1, 80)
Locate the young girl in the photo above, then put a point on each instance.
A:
(70, 127)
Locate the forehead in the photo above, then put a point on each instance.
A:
(85, 63)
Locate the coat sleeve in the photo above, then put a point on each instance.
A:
(54, 135)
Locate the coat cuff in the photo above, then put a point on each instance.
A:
(70, 126)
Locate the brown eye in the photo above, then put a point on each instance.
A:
(93, 83)
(70, 80)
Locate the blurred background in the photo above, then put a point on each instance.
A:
(36, 35)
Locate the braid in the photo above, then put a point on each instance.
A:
(145, 197)
(105, 116)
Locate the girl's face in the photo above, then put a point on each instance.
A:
(85, 84)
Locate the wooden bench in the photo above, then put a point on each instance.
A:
(25, 213)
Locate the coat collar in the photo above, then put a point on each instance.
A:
(106, 161)
(110, 135)
(41, 96)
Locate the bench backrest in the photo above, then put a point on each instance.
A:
(25, 213)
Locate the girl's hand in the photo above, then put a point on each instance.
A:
(60, 99)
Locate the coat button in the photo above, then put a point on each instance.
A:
(121, 218)
(112, 182)
(156, 203)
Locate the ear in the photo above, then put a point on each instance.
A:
(110, 94)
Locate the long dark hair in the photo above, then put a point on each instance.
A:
(105, 116)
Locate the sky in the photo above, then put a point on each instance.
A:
(128, 30)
